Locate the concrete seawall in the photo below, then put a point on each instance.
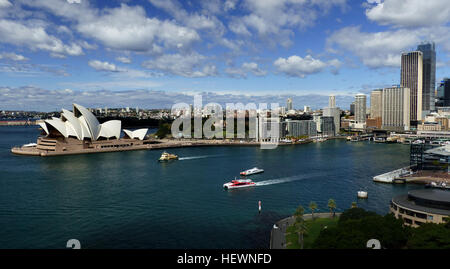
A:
(164, 144)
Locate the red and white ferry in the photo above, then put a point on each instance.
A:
(239, 183)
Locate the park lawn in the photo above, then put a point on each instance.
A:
(314, 228)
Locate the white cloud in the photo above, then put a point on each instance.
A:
(189, 65)
(297, 66)
(13, 56)
(5, 3)
(276, 21)
(245, 69)
(409, 13)
(35, 37)
(383, 49)
(123, 59)
(128, 28)
(46, 100)
(104, 66)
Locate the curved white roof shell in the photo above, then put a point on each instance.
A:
(81, 123)
(139, 134)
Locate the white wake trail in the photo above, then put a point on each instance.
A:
(197, 157)
(282, 180)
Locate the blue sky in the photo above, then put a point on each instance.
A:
(152, 53)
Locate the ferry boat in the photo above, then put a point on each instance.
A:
(239, 183)
(252, 171)
(167, 157)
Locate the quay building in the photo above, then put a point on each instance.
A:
(422, 206)
(78, 132)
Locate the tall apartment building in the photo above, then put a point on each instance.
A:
(429, 75)
(298, 128)
(412, 77)
(332, 101)
(289, 104)
(327, 126)
(360, 108)
(375, 103)
(333, 111)
(396, 108)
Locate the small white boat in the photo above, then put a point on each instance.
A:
(239, 183)
(362, 194)
(252, 171)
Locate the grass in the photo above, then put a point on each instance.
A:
(314, 228)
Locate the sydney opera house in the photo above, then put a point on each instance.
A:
(78, 132)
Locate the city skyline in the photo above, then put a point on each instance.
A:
(229, 50)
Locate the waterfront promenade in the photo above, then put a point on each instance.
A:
(151, 144)
(278, 235)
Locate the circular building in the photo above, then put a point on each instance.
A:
(422, 206)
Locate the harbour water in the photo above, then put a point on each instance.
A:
(129, 200)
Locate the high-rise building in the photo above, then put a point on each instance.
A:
(289, 104)
(360, 108)
(375, 103)
(327, 126)
(443, 93)
(411, 77)
(332, 101)
(396, 109)
(352, 108)
(306, 109)
(333, 111)
(298, 128)
(429, 74)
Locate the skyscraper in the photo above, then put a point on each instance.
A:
(375, 103)
(360, 108)
(396, 109)
(411, 77)
(332, 101)
(443, 93)
(333, 111)
(429, 74)
(289, 104)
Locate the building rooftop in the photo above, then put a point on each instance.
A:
(434, 201)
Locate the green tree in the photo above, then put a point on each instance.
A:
(332, 207)
(299, 224)
(430, 236)
(163, 130)
(356, 226)
(354, 205)
(313, 207)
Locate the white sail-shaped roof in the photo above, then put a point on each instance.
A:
(81, 123)
(74, 122)
(44, 127)
(91, 121)
(139, 134)
(110, 129)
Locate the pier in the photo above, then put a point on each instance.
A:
(393, 176)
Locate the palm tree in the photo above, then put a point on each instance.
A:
(301, 230)
(299, 214)
(299, 224)
(313, 207)
(332, 206)
(354, 205)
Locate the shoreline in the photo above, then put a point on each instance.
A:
(153, 145)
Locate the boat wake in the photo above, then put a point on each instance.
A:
(197, 157)
(282, 180)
